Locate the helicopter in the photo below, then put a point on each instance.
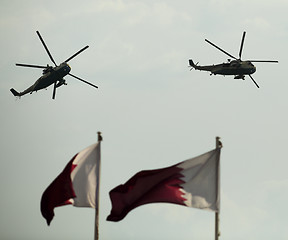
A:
(235, 67)
(50, 75)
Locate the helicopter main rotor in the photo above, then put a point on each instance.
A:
(46, 48)
(220, 49)
(52, 59)
(240, 51)
(74, 55)
(241, 46)
(29, 65)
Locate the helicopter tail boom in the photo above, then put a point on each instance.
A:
(28, 90)
(201, 68)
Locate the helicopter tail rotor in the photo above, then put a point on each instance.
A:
(192, 65)
(15, 93)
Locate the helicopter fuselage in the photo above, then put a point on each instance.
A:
(49, 77)
(237, 68)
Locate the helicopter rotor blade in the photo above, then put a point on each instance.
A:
(254, 81)
(241, 46)
(83, 80)
(267, 61)
(220, 49)
(29, 65)
(46, 48)
(54, 90)
(76, 54)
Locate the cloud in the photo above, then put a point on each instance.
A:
(258, 22)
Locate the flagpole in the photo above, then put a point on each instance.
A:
(217, 232)
(96, 230)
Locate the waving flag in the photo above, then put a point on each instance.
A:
(192, 183)
(75, 185)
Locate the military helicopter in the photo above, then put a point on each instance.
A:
(236, 67)
(51, 75)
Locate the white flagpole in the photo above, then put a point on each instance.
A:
(217, 232)
(96, 230)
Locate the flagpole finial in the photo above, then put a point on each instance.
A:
(218, 143)
(100, 138)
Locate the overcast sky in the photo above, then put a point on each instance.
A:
(153, 112)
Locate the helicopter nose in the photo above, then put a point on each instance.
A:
(67, 68)
(252, 69)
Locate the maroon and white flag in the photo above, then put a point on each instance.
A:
(192, 183)
(75, 185)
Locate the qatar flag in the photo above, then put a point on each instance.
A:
(75, 185)
(191, 183)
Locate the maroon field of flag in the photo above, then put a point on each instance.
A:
(75, 185)
(191, 183)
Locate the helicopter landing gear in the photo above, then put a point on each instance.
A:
(240, 77)
(60, 83)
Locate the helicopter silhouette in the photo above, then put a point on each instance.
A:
(51, 75)
(236, 67)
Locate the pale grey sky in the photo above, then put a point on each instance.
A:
(152, 110)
